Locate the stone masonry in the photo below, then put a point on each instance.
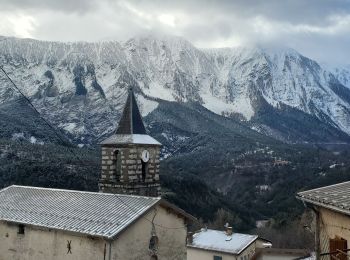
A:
(122, 170)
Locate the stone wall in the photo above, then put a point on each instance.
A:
(123, 173)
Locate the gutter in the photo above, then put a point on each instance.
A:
(109, 242)
(327, 206)
(110, 250)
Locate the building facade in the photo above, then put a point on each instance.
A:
(50, 224)
(208, 244)
(130, 157)
(331, 207)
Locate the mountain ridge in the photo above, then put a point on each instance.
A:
(81, 86)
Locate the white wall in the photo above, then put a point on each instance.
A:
(45, 244)
(333, 224)
(133, 244)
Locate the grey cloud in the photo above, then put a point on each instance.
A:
(310, 26)
(293, 11)
(69, 6)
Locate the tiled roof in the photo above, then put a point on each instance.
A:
(131, 120)
(218, 241)
(336, 197)
(91, 213)
(130, 139)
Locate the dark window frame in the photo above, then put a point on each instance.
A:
(144, 170)
(117, 162)
(21, 229)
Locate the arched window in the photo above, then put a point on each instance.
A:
(117, 162)
(144, 170)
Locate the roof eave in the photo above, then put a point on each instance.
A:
(320, 204)
(213, 250)
(244, 248)
(178, 210)
(116, 235)
(81, 233)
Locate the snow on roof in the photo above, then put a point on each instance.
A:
(91, 213)
(130, 139)
(218, 241)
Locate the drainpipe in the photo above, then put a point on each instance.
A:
(109, 255)
(317, 233)
(110, 250)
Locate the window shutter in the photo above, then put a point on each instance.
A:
(338, 244)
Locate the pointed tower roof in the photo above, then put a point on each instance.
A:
(131, 129)
(131, 120)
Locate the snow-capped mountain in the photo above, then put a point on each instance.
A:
(342, 73)
(81, 87)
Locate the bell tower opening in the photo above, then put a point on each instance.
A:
(144, 170)
(117, 162)
(130, 157)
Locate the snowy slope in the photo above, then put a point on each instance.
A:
(342, 73)
(81, 86)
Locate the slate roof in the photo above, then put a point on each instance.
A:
(131, 129)
(91, 213)
(131, 139)
(131, 120)
(335, 197)
(216, 240)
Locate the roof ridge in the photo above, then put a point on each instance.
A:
(79, 191)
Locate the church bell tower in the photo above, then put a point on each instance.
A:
(130, 157)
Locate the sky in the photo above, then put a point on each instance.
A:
(319, 29)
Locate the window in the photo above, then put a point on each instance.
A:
(144, 170)
(117, 161)
(338, 244)
(21, 229)
(217, 257)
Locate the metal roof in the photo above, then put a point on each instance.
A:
(131, 120)
(91, 213)
(335, 197)
(216, 240)
(131, 139)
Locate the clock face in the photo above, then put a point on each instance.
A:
(145, 156)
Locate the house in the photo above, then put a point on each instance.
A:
(53, 224)
(281, 254)
(331, 207)
(208, 244)
(126, 219)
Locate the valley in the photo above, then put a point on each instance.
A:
(242, 129)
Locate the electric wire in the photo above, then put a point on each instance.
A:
(41, 117)
(73, 153)
(152, 222)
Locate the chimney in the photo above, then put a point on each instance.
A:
(229, 231)
(189, 238)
